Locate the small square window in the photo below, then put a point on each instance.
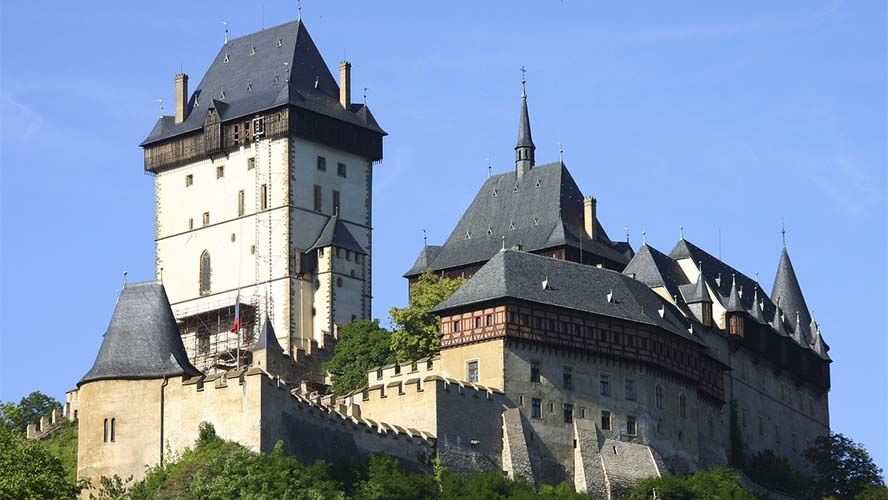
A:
(489, 320)
(190, 224)
(189, 180)
(472, 370)
(220, 171)
(206, 218)
(322, 164)
(551, 407)
(341, 169)
(251, 163)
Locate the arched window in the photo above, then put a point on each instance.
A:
(205, 273)
(113, 430)
(105, 435)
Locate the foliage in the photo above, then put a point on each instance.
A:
(705, 485)
(385, 481)
(62, 444)
(112, 488)
(416, 329)
(738, 447)
(774, 472)
(28, 411)
(362, 346)
(873, 493)
(492, 486)
(29, 472)
(842, 468)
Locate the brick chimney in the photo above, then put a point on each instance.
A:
(590, 209)
(181, 96)
(345, 68)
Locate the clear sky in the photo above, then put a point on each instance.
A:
(720, 118)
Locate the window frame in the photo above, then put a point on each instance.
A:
(477, 370)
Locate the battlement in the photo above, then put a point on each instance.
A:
(46, 425)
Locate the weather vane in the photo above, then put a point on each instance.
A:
(226, 31)
(523, 82)
(161, 107)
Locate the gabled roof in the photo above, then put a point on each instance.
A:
(423, 261)
(541, 209)
(267, 338)
(786, 287)
(336, 234)
(250, 74)
(142, 341)
(521, 275)
(656, 269)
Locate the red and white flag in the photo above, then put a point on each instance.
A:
(236, 326)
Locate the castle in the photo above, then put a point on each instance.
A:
(565, 356)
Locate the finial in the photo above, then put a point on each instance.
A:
(298, 10)
(561, 152)
(626, 228)
(124, 279)
(489, 168)
(523, 82)
(287, 71)
(783, 231)
(161, 275)
(700, 264)
(756, 279)
(161, 107)
(226, 31)
(681, 232)
(504, 242)
(365, 96)
(425, 239)
(644, 239)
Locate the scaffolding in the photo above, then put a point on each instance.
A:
(206, 333)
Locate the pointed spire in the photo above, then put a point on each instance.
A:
(786, 286)
(777, 321)
(818, 345)
(267, 338)
(701, 292)
(734, 304)
(756, 310)
(524, 150)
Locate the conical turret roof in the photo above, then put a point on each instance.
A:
(755, 310)
(267, 338)
(142, 340)
(733, 304)
(787, 290)
(525, 140)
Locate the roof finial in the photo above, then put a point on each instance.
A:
(523, 82)
(560, 152)
(681, 232)
(161, 275)
(298, 10)
(489, 167)
(626, 228)
(504, 243)
(124, 279)
(644, 239)
(756, 279)
(365, 96)
(783, 231)
(425, 239)
(161, 107)
(226, 31)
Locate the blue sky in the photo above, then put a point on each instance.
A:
(720, 118)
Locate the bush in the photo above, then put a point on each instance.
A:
(772, 471)
(704, 485)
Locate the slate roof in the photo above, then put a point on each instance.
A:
(520, 275)
(733, 303)
(755, 310)
(267, 338)
(656, 269)
(525, 139)
(254, 79)
(423, 262)
(541, 209)
(336, 234)
(786, 287)
(142, 341)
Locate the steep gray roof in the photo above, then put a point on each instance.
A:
(336, 234)
(542, 209)
(423, 261)
(656, 269)
(249, 75)
(267, 338)
(520, 275)
(786, 287)
(755, 310)
(142, 340)
(733, 304)
(525, 140)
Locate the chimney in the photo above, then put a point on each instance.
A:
(181, 96)
(345, 69)
(590, 209)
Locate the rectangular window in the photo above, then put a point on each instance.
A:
(190, 224)
(535, 371)
(456, 326)
(378, 373)
(240, 203)
(105, 435)
(263, 197)
(478, 322)
(341, 169)
(605, 385)
(317, 198)
(336, 202)
(206, 218)
(536, 408)
(251, 163)
(490, 320)
(631, 428)
(472, 370)
(567, 377)
(114, 431)
(322, 164)
(605, 420)
(568, 413)
(583, 412)
(520, 400)
(189, 180)
(630, 389)
(220, 171)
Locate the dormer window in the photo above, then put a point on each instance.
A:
(495, 192)
(222, 94)
(707, 314)
(276, 79)
(511, 226)
(489, 231)
(536, 221)
(249, 86)
(468, 235)
(539, 183)
(735, 324)
(280, 43)
(225, 61)
(252, 50)
(516, 188)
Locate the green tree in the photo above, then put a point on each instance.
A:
(416, 329)
(841, 467)
(29, 472)
(362, 346)
(772, 471)
(386, 481)
(62, 444)
(28, 411)
(704, 485)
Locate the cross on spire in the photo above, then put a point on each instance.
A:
(523, 82)
(561, 152)
(783, 231)
(226, 31)
(298, 10)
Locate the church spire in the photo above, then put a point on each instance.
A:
(786, 286)
(524, 150)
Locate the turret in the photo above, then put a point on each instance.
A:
(786, 287)
(524, 150)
